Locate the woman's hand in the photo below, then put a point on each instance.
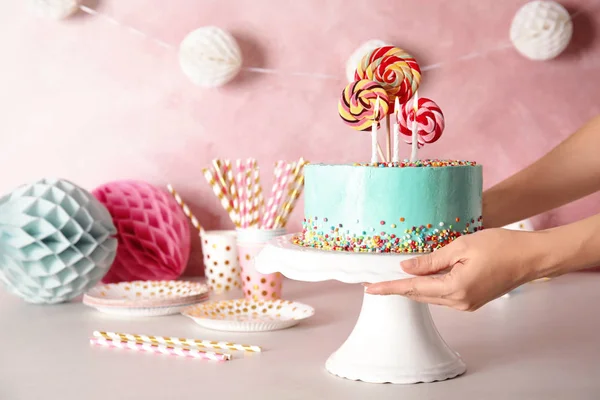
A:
(480, 267)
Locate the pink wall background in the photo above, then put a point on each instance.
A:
(89, 101)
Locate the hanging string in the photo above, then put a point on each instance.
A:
(470, 56)
(131, 29)
(275, 71)
(166, 45)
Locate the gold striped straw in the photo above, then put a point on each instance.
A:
(212, 181)
(186, 210)
(258, 199)
(177, 342)
(295, 189)
(219, 175)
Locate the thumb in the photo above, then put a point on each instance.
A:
(431, 263)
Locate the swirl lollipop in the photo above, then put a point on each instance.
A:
(429, 122)
(394, 69)
(357, 105)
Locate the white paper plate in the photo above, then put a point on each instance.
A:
(249, 315)
(143, 311)
(146, 294)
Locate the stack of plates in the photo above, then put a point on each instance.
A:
(146, 298)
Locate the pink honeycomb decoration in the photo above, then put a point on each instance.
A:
(153, 232)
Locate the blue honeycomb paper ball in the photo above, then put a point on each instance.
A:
(56, 241)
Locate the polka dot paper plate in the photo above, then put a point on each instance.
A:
(144, 294)
(142, 311)
(249, 315)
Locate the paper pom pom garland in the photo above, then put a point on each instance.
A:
(541, 30)
(428, 117)
(210, 57)
(56, 241)
(153, 232)
(359, 107)
(55, 9)
(358, 54)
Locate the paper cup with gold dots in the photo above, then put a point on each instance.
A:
(257, 286)
(221, 265)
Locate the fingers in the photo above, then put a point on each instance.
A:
(424, 286)
(430, 263)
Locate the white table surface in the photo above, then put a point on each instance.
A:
(541, 343)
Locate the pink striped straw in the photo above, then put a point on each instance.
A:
(239, 178)
(283, 190)
(279, 189)
(270, 209)
(162, 349)
(293, 193)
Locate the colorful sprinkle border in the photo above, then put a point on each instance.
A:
(433, 163)
(415, 239)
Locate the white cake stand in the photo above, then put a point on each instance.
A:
(394, 340)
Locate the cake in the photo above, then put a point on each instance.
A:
(388, 205)
(406, 207)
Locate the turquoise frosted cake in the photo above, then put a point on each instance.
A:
(404, 208)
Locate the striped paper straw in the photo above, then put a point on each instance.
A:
(287, 179)
(171, 341)
(232, 191)
(270, 210)
(295, 189)
(249, 195)
(279, 188)
(219, 176)
(239, 178)
(162, 349)
(258, 203)
(186, 210)
(218, 191)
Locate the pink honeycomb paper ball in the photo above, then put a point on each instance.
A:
(153, 232)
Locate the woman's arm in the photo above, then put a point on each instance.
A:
(487, 264)
(568, 172)
(571, 247)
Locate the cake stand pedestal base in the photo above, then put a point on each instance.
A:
(394, 341)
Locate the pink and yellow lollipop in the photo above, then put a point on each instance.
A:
(392, 68)
(429, 119)
(358, 104)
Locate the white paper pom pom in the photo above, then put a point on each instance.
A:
(210, 57)
(358, 54)
(541, 30)
(56, 9)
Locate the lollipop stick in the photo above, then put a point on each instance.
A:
(388, 138)
(380, 151)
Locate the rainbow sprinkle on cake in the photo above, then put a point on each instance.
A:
(413, 239)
